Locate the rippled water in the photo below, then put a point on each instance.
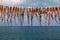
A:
(13, 30)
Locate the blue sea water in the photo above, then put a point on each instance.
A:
(14, 30)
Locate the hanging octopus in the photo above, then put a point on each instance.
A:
(39, 12)
(10, 10)
(47, 11)
(29, 11)
(4, 13)
(15, 8)
(22, 9)
(58, 13)
(55, 11)
(51, 11)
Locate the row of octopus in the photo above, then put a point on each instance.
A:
(30, 11)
